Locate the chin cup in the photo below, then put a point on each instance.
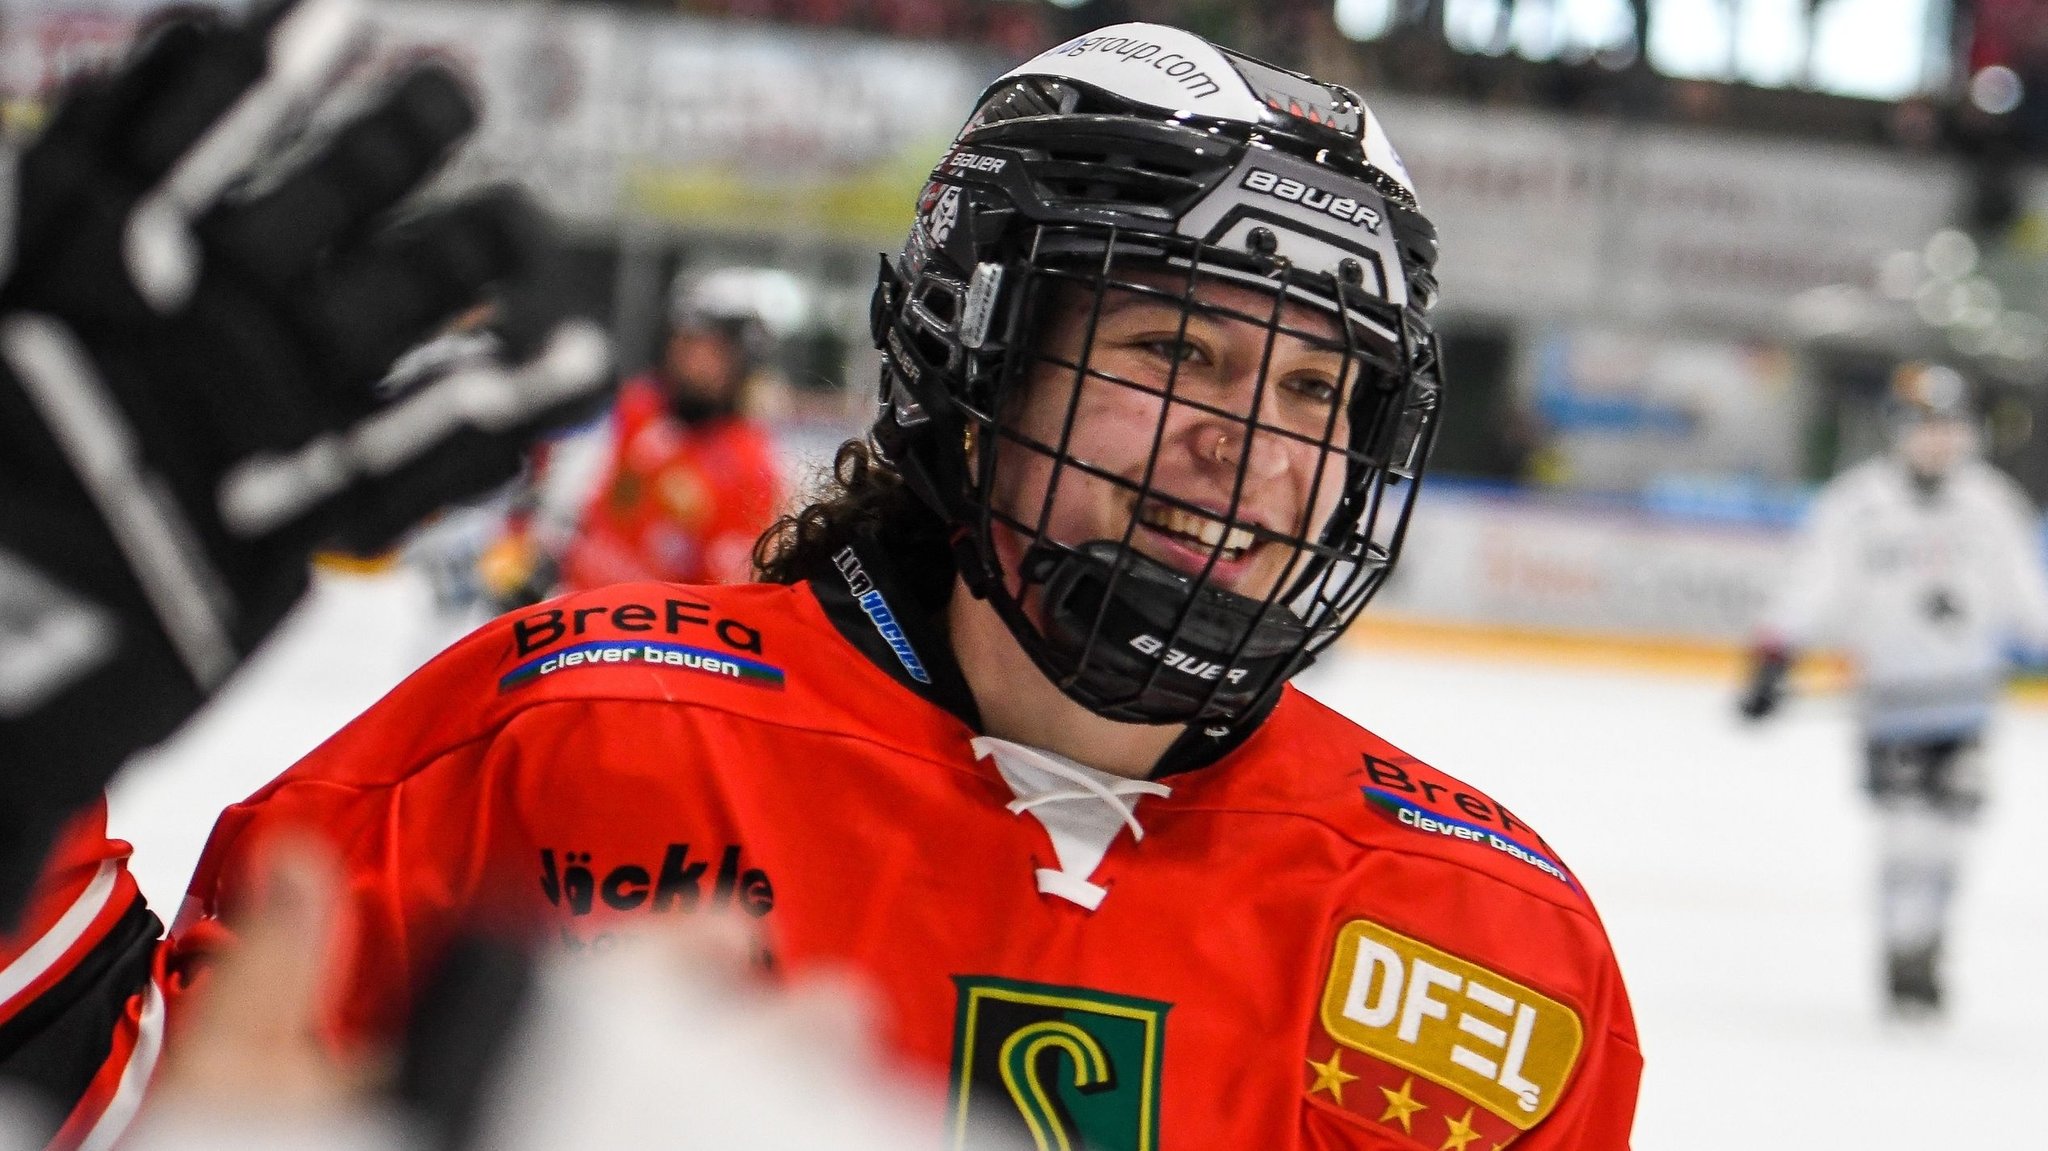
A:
(1149, 644)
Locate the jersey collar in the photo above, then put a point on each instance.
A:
(902, 632)
(874, 609)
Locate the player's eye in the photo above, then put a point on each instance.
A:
(1314, 386)
(1173, 349)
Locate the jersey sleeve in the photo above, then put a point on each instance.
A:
(408, 795)
(84, 983)
(403, 794)
(1599, 1107)
(2020, 556)
(88, 980)
(1470, 997)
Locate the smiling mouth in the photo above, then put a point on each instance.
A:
(1205, 532)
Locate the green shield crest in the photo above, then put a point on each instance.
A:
(1078, 1068)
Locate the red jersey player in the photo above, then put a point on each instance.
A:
(676, 485)
(1009, 730)
(691, 482)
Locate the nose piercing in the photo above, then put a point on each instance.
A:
(1216, 449)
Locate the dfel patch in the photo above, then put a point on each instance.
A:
(1447, 1051)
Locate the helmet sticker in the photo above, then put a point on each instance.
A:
(1379, 152)
(1151, 64)
(942, 214)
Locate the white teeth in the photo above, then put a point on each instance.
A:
(1209, 532)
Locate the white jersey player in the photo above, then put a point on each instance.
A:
(1924, 567)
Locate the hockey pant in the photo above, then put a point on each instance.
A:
(1927, 794)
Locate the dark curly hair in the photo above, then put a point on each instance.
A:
(864, 498)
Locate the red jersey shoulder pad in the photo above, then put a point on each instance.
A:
(1390, 798)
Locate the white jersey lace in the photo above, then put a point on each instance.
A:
(1081, 808)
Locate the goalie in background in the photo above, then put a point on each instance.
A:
(1924, 566)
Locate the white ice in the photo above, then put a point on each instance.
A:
(1732, 865)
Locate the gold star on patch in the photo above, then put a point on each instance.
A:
(1403, 1105)
(1462, 1132)
(1331, 1076)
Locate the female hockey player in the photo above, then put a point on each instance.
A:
(1925, 565)
(1008, 730)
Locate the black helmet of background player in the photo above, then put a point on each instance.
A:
(1933, 422)
(714, 343)
(1143, 162)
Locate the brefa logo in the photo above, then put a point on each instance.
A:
(1503, 1046)
(550, 626)
(1489, 824)
(599, 653)
(1081, 1068)
(1345, 208)
(1419, 818)
(869, 597)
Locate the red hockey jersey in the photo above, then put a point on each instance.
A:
(1304, 938)
(677, 501)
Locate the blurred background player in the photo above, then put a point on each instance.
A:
(677, 484)
(1924, 566)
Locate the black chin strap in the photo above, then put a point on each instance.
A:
(1199, 745)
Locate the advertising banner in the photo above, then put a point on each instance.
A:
(1548, 216)
(1525, 561)
(737, 128)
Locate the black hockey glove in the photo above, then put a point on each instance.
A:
(1768, 669)
(202, 294)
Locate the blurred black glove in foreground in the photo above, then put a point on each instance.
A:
(1768, 669)
(199, 299)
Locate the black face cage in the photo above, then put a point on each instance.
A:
(1126, 635)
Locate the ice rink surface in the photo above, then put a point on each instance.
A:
(1732, 865)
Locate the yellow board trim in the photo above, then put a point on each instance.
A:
(1700, 659)
(344, 563)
